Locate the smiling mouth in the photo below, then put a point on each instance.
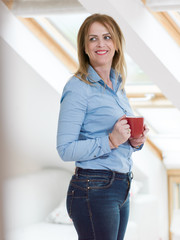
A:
(101, 52)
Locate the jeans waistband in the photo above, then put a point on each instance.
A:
(109, 173)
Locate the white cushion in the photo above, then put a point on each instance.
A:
(136, 187)
(59, 214)
(144, 211)
(44, 231)
(132, 231)
(29, 199)
(50, 231)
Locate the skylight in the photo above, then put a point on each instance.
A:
(64, 29)
(175, 17)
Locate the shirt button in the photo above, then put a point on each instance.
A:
(94, 155)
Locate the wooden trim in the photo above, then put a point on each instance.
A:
(170, 199)
(173, 172)
(52, 45)
(177, 15)
(143, 95)
(9, 3)
(58, 35)
(141, 91)
(167, 22)
(173, 177)
(154, 103)
(155, 149)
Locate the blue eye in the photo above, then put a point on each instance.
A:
(107, 37)
(92, 39)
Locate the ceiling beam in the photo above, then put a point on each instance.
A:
(9, 3)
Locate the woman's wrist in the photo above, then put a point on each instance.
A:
(111, 145)
(111, 142)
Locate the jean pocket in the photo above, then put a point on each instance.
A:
(69, 201)
(99, 182)
(74, 195)
(85, 182)
(79, 183)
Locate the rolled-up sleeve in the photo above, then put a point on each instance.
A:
(71, 117)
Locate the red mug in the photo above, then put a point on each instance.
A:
(136, 125)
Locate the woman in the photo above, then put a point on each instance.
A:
(93, 132)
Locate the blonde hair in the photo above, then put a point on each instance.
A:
(118, 62)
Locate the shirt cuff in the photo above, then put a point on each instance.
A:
(105, 144)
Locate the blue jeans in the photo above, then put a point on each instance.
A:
(98, 203)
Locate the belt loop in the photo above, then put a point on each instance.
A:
(131, 175)
(112, 176)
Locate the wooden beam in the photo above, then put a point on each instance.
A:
(154, 103)
(49, 42)
(158, 100)
(169, 24)
(176, 15)
(173, 172)
(9, 3)
(51, 28)
(142, 89)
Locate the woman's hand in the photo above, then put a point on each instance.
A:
(121, 132)
(135, 142)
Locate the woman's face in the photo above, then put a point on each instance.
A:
(100, 47)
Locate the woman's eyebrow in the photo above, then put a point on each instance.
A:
(94, 35)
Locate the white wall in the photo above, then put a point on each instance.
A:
(155, 180)
(1, 161)
(30, 114)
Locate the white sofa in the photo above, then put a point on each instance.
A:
(33, 202)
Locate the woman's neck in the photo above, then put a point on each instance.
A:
(104, 73)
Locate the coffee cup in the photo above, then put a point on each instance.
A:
(136, 125)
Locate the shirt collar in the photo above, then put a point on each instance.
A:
(94, 77)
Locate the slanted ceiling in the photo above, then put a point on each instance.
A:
(147, 42)
(44, 7)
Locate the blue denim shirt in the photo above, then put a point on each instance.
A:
(87, 115)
